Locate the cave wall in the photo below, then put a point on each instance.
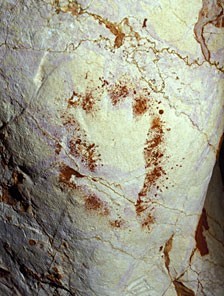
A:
(111, 115)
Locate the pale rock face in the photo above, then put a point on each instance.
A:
(111, 117)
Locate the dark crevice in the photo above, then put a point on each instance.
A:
(221, 159)
(16, 195)
(4, 272)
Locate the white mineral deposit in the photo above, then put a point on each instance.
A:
(111, 118)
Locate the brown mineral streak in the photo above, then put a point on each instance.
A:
(211, 13)
(167, 249)
(200, 239)
(182, 290)
(92, 202)
(114, 28)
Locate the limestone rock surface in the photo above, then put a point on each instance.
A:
(111, 114)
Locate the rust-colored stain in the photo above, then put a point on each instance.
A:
(66, 173)
(157, 124)
(119, 40)
(166, 251)
(141, 205)
(210, 13)
(182, 290)
(94, 203)
(148, 221)
(153, 154)
(118, 92)
(86, 101)
(151, 178)
(69, 121)
(117, 223)
(74, 100)
(200, 239)
(87, 152)
(140, 105)
(78, 143)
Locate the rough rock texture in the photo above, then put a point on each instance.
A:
(111, 114)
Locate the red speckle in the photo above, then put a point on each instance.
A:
(148, 221)
(118, 92)
(117, 223)
(141, 205)
(72, 101)
(68, 121)
(104, 82)
(140, 106)
(153, 154)
(94, 203)
(88, 102)
(86, 151)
